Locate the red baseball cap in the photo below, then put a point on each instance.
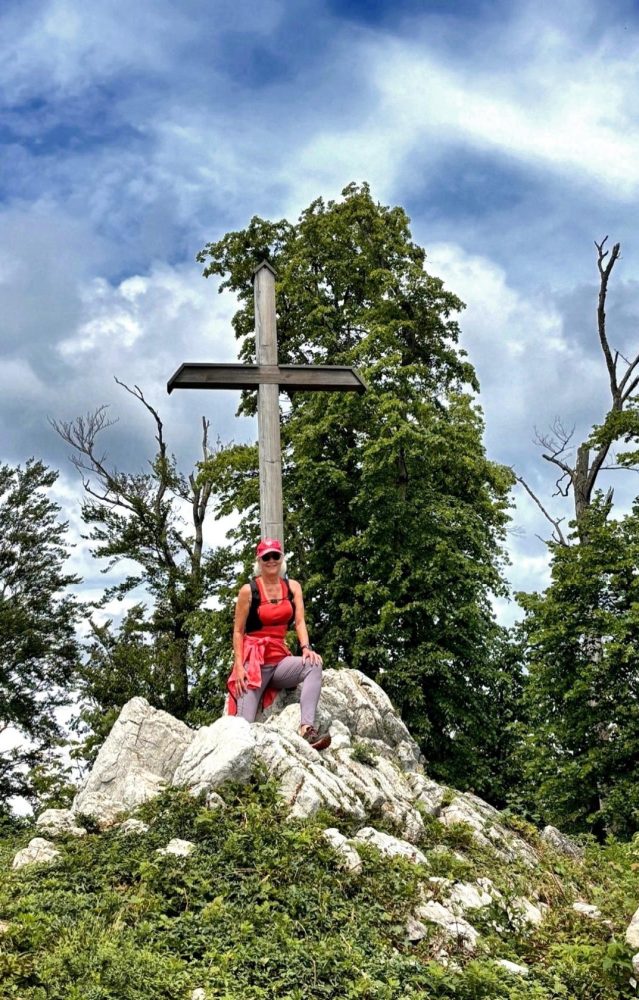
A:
(269, 545)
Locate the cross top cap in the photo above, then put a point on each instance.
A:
(264, 264)
(269, 545)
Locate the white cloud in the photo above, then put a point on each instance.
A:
(529, 92)
(18, 381)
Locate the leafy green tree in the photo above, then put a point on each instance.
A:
(138, 518)
(39, 653)
(582, 635)
(580, 738)
(394, 515)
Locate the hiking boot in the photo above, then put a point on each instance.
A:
(318, 742)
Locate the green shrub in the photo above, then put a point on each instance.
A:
(261, 910)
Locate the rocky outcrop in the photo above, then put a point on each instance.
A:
(373, 766)
(138, 758)
(372, 769)
(488, 830)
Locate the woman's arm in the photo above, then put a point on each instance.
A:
(242, 606)
(300, 625)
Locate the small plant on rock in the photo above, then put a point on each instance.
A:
(363, 753)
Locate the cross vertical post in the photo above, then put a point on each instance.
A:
(269, 378)
(268, 406)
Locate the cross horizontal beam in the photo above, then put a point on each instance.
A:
(322, 378)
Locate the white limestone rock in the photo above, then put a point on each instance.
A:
(352, 698)
(634, 960)
(392, 847)
(137, 760)
(223, 751)
(340, 735)
(180, 848)
(415, 930)
(487, 829)
(199, 993)
(561, 842)
(523, 912)
(587, 910)
(349, 858)
(148, 750)
(215, 801)
(468, 896)
(306, 780)
(4, 927)
(454, 926)
(132, 825)
(54, 822)
(37, 851)
(632, 933)
(427, 792)
(514, 967)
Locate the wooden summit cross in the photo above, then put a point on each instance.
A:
(269, 377)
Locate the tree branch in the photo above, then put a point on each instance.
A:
(554, 521)
(604, 273)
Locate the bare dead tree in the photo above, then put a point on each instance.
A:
(136, 516)
(579, 469)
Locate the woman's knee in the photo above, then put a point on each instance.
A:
(314, 670)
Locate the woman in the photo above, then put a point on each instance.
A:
(262, 663)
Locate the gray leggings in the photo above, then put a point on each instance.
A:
(288, 673)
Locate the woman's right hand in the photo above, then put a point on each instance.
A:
(239, 679)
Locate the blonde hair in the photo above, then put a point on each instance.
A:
(257, 568)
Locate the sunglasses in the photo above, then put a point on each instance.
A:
(275, 556)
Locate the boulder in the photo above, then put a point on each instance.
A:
(587, 910)
(215, 801)
(221, 752)
(392, 847)
(37, 851)
(137, 760)
(454, 927)
(517, 970)
(415, 930)
(521, 912)
(561, 842)
(487, 829)
(180, 848)
(4, 927)
(632, 933)
(59, 821)
(349, 859)
(133, 825)
(468, 896)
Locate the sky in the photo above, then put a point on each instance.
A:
(135, 133)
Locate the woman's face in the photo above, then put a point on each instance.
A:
(270, 565)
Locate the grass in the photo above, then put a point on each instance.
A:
(262, 910)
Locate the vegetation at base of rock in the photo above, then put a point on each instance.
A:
(261, 910)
